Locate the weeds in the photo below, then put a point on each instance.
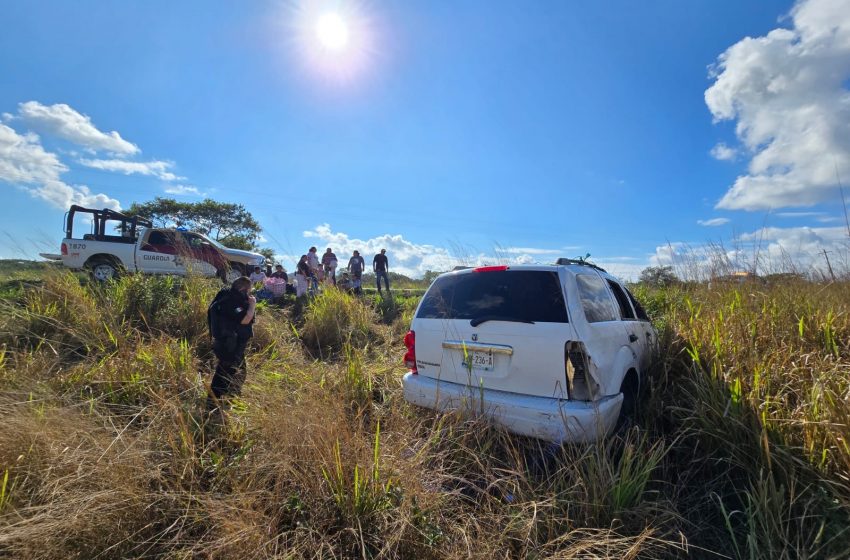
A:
(739, 449)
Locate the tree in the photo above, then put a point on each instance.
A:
(429, 276)
(658, 276)
(269, 253)
(230, 224)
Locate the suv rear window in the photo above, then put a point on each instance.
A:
(512, 295)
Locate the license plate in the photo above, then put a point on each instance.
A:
(480, 360)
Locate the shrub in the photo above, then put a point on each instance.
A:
(333, 319)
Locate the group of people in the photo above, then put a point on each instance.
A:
(230, 316)
(311, 271)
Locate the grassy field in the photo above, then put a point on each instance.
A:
(739, 450)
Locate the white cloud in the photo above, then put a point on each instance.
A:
(528, 251)
(155, 168)
(766, 250)
(723, 152)
(187, 190)
(25, 164)
(413, 259)
(406, 257)
(787, 92)
(799, 214)
(62, 121)
(713, 222)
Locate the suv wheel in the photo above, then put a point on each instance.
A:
(629, 388)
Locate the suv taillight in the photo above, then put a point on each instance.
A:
(575, 364)
(410, 356)
(64, 249)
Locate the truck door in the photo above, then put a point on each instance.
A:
(201, 257)
(157, 253)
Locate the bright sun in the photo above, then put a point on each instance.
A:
(332, 31)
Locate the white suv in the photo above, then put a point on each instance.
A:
(549, 351)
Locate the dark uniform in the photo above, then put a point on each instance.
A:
(230, 339)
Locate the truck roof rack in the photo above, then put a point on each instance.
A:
(127, 225)
(581, 262)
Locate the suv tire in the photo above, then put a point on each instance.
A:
(630, 387)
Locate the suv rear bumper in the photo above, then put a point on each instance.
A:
(541, 417)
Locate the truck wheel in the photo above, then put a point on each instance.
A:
(103, 270)
(231, 273)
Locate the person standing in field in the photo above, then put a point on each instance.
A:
(356, 264)
(302, 276)
(329, 263)
(313, 263)
(230, 318)
(381, 266)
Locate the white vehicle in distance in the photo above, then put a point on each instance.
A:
(549, 351)
(118, 243)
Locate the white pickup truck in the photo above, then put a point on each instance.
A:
(132, 244)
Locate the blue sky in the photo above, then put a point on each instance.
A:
(444, 131)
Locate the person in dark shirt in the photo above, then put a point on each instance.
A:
(230, 317)
(302, 275)
(329, 264)
(381, 266)
(280, 273)
(356, 264)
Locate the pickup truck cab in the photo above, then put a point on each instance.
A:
(549, 351)
(132, 244)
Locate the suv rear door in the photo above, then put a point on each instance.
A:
(598, 325)
(495, 328)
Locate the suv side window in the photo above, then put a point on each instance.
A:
(595, 299)
(626, 312)
(641, 313)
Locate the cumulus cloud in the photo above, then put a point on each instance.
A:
(62, 121)
(183, 190)
(766, 250)
(714, 222)
(723, 152)
(787, 93)
(414, 259)
(25, 164)
(406, 257)
(529, 251)
(155, 168)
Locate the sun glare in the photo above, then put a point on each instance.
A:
(335, 39)
(332, 31)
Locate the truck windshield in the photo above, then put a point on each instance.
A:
(213, 242)
(512, 295)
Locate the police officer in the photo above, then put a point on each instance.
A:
(230, 317)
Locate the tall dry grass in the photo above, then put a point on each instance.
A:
(738, 449)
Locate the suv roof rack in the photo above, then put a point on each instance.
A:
(579, 261)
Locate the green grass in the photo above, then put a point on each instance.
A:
(739, 449)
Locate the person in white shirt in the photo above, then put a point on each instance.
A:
(257, 276)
